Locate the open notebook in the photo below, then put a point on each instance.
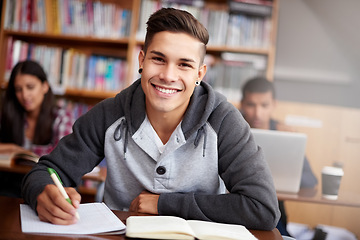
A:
(95, 218)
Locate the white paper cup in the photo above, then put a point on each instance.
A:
(331, 178)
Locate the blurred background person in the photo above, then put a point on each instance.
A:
(257, 105)
(30, 119)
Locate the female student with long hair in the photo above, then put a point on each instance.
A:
(30, 118)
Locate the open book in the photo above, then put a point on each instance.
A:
(168, 227)
(26, 158)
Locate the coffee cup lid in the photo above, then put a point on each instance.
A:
(333, 171)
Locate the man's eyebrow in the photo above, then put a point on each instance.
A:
(157, 53)
(187, 60)
(163, 55)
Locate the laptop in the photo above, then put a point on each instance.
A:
(284, 153)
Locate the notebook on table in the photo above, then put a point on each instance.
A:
(284, 153)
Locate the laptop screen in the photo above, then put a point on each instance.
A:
(284, 153)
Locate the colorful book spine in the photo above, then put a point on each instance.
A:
(231, 28)
(70, 17)
(259, 8)
(69, 68)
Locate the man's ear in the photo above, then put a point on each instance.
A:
(202, 72)
(141, 58)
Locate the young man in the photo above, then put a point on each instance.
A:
(257, 105)
(173, 146)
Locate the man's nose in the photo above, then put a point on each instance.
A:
(258, 111)
(169, 73)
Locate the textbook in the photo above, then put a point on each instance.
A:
(170, 227)
(25, 158)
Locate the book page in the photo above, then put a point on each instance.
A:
(18, 158)
(211, 230)
(5, 159)
(158, 227)
(94, 218)
(25, 159)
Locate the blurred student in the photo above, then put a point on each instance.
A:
(257, 105)
(30, 118)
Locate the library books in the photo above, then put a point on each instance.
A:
(248, 31)
(23, 158)
(231, 28)
(255, 7)
(170, 227)
(198, 3)
(70, 17)
(227, 74)
(70, 68)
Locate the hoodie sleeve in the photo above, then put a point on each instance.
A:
(75, 155)
(251, 200)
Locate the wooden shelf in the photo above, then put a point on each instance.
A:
(90, 93)
(62, 37)
(237, 50)
(124, 48)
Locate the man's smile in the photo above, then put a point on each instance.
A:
(166, 90)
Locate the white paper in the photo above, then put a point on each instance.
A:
(94, 218)
(212, 230)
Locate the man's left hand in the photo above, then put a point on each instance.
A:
(145, 202)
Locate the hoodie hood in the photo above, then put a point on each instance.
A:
(202, 103)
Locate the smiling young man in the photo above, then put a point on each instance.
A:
(173, 145)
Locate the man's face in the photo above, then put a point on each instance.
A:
(171, 66)
(257, 109)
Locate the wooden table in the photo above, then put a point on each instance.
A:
(313, 195)
(10, 225)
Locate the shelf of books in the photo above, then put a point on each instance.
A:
(89, 47)
(82, 45)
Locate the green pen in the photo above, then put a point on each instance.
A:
(55, 177)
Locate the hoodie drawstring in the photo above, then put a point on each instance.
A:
(119, 132)
(201, 131)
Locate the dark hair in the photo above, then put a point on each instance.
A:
(13, 114)
(258, 85)
(177, 21)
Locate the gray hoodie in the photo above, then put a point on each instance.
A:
(211, 169)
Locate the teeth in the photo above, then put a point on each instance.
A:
(168, 91)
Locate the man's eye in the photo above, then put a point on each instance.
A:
(158, 59)
(185, 65)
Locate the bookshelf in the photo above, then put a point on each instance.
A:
(46, 41)
(67, 32)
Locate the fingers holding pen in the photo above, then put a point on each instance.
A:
(52, 207)
(74, 196)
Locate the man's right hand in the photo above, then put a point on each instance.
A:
(52, 206)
